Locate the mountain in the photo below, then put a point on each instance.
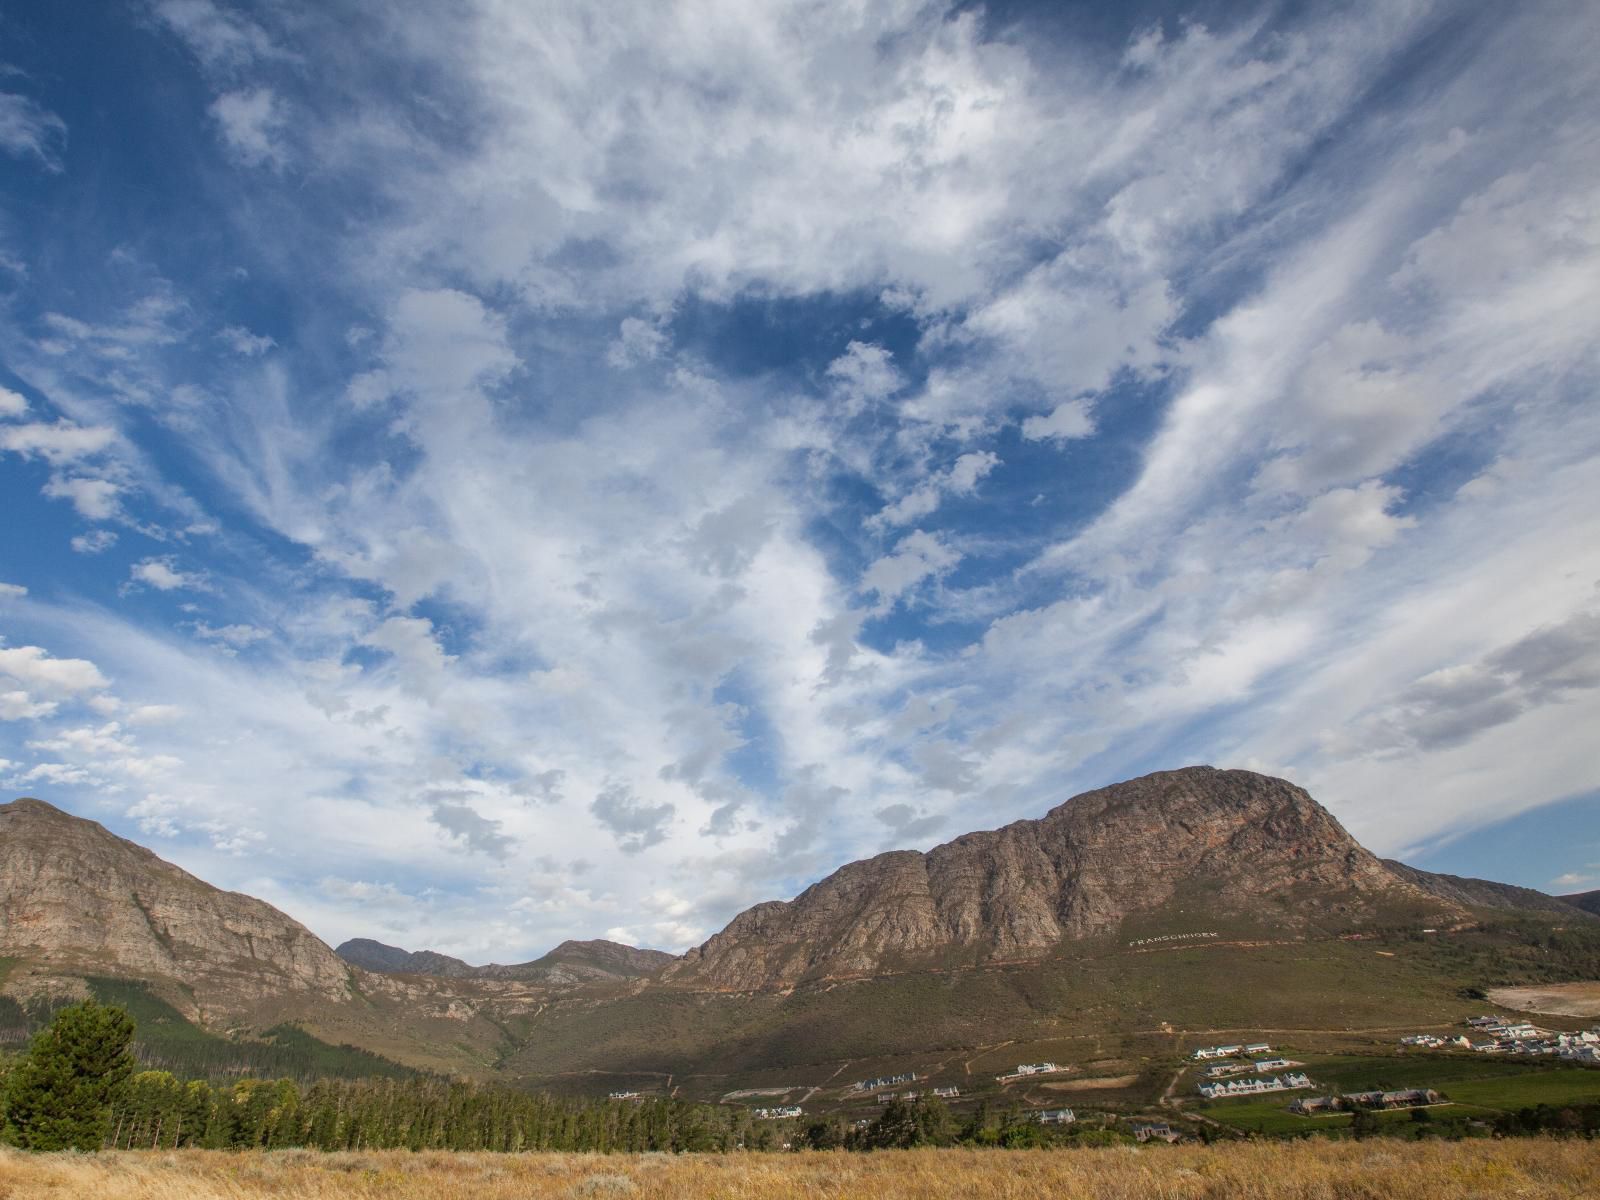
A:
(1196, 899)
(1480, 893)
(77, 900)
(1203, 844)
(391, 960)
(1588, 901)
(571, 963)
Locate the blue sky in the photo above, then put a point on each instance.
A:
(476, 474)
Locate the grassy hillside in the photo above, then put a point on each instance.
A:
(1385, 981)
(164, 1040)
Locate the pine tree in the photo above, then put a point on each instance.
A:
(60, 1096)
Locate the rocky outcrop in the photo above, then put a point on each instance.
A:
(1480, 893)
(1222, 842)
(569, 964)
(77, 899)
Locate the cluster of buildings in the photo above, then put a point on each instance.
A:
(883, 1081)
(1056, 1116)
(1433, 1041)
(1025, 1069)
(944, 1093)
(1309, 1106)
(777, 1114)
(1209, 1052)
(625, 1096)
(1519, 1037)
(1287, 1082)
(1260, 1067)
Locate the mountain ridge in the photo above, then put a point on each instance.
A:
(995, 931)
(1079, 871)
(572, 962)
(74, 896)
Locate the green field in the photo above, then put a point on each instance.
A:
(1473, 1088)
(1563, 1085)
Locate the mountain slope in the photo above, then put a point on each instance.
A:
(572, 962)
(1221, 844)
(1588, 901)
(1480, 893)
(74, 897)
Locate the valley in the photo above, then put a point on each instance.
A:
(1244, 912)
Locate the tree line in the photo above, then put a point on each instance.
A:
(79, 1087)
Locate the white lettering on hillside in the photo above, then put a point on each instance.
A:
(1170, 937)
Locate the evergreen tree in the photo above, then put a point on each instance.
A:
(60, 1096)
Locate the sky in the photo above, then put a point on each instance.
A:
(481, 473)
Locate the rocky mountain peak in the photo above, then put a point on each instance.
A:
(77, 899)
(1201, 840)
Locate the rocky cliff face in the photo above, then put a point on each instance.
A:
(1228, 842)
(571, 963)
(75, 898)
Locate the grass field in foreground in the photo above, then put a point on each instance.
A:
(1534, 1169)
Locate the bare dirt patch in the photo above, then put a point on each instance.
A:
(1089, 1085)
(1556, 999)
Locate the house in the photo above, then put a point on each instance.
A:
(1273, 1064)
(777, 1114)
(1519, 1031)
(625, 1096)
(1036, 1068)
(1222, 1070)
(1289, 1081)
(1206, 1052)
(947, 1093)
(1158, 1131)
(1422, 1039)
(1057, 1116)
(1310, 1106)
(1258, 1048)
(1483, 1022)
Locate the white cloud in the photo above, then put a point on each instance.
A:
(221, 40)
(244, 343)
(917, 556)
(154, 714)
(1068, 420)
(960, 480)
(165, 575)
(253, 123)
(34, 668)
(58, 444)
(238, 636)
(12, 405)
(864, 374)
(96, 541)
(29, 131)
(95, 499)
(19, 706)
(12, 591)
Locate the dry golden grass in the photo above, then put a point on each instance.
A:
(1375, 1170)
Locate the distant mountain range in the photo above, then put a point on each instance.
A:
(1093, 909)
(596, 961)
